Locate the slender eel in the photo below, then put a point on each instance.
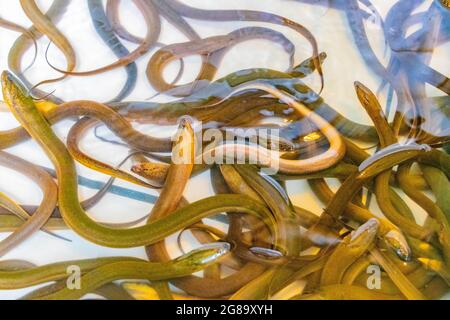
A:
(15, 27)
(190, 263)
(46, 26)
(109, 291)
(349, 250)
(22, 278)
(214, 47)
(207, 287)
(355, 182)
(13, 208)
(24, 211)
(397, 276)
(387, 138)
(112, 13)
(172, 193)
(176, 19)
(170, 196)
(42, 213)
(357, 213)
(281, 208)
(433, 210)
(185, 28)
(362, 43)
(22, 44)
(146, 8)
(73, 140)
(105, 31)
(17, 279)
(279, 203)
(113, 120)
(439, 184)
(249, 15)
